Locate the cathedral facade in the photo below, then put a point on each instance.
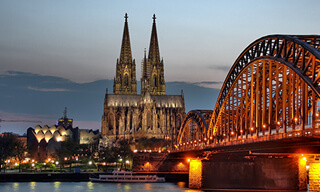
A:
(150, 114)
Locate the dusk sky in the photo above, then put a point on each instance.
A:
(80, 40)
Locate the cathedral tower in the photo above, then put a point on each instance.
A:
(152, 79)
(125, 81)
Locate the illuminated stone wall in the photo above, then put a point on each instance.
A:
(314, 176)
(303, 173)
(195, 174)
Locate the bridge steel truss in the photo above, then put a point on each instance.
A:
(272, 88)
(195, 127)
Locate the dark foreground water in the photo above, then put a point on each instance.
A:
(94, 187)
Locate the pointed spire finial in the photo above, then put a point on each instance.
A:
(154, 18)
(145, 51)
(126, 17)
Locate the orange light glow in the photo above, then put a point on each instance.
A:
(195, 174)
(251, 128)
(264, 125)
(232, 133)
(278, 122)
(295, 119)
(241, 130)
(211, 138)
(188, 160)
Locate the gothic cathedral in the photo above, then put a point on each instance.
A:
(152, 114)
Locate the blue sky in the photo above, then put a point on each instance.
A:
(79, 41)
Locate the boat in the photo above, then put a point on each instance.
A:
(127, 177)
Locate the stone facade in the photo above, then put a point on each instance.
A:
(149, 114)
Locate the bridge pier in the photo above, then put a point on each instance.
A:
(314, 174)
(249, 172)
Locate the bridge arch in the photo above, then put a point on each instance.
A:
(194, 127)
(273, 87)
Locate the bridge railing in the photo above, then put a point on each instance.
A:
(212, 143)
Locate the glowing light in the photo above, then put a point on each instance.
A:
(16, 164)
(32, 164)
(59, 139)
(188, 160)
(251, 128)
(195, 174)
(241, 130)
(31, 160)
(224, 134)
(44, 163)
(264, 125)
(317, 114)
(57, 162)
(296, 119)
(65, 158)
(205, 139)
(135, 151)
(232, 133)
(120, 159)
(304, 159)
(127, 161)
(90, 162)
(278, 122)
(211, 138)
(104, 163)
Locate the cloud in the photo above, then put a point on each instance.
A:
(209, 84)
(47, 89)
(220, 67)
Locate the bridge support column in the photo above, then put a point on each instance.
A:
(303, 175)
(195, 174)
(314, 176)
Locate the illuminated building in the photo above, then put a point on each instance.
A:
(149, 114)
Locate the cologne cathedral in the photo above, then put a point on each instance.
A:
(150, 114)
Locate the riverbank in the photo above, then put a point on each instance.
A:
(77, 177)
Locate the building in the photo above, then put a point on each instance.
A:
(150, 114)
(65, 121)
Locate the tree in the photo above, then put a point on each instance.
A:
(11, 146)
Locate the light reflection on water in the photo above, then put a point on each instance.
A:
(93, 187)
(98, 187)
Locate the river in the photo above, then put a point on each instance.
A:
(94, 187)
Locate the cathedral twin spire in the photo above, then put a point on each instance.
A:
(152, 77)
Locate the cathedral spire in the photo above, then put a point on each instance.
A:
(154, 54)
(125, 81)
(125, 55)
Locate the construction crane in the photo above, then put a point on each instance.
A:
(16, 121)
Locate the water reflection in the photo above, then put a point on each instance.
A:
(57, 186)
(32, 186)
(98, 187)
(90, 186)
(16, 186)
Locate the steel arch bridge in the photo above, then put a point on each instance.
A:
(271, 92)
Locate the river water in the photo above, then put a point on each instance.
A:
(94, 187)
(99, 187)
